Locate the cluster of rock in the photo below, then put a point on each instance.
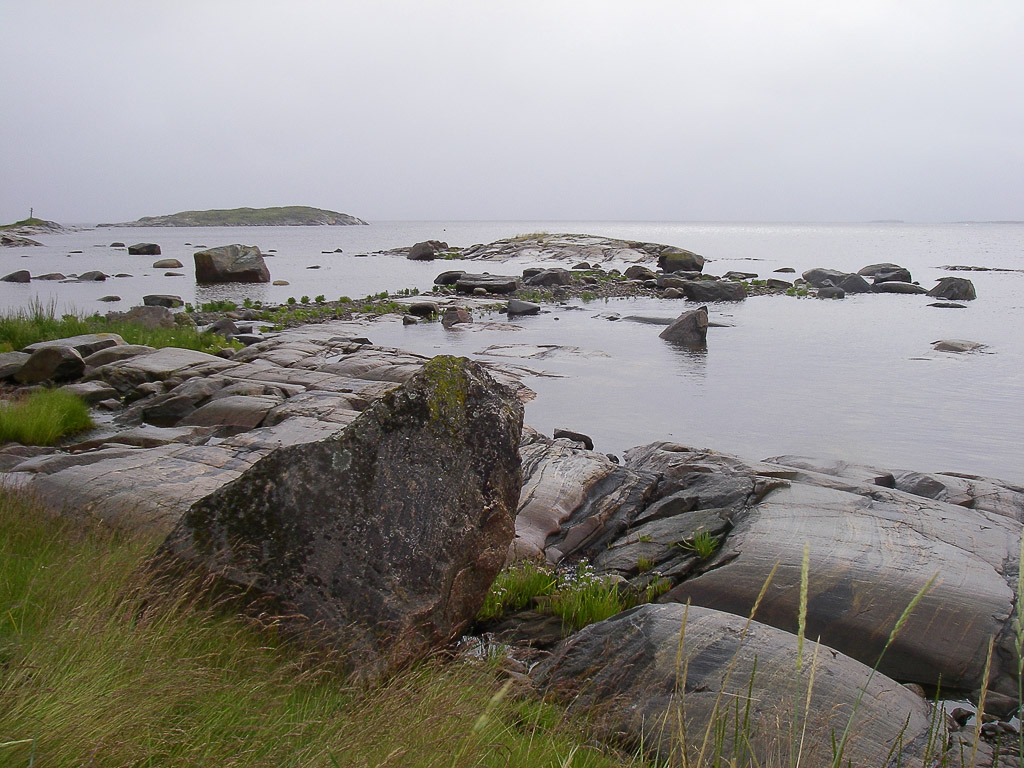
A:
(373, 492)
(885, 278)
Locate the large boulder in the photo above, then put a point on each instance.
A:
(550, 277)
(144, 249)
(51, 364)
(85, 344)
(673, 259)
(231, 264)
(385, 536)
(21, 276)
(467, 283)
(954, 289)
(668, 678)
(689, 329)
(427, 250)
(897, 286)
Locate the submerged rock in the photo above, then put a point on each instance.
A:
(689, 329)
(954, 289)
(144, 249)
(385, 536)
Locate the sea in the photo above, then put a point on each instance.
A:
(855, 380)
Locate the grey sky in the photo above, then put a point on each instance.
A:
(749, 111)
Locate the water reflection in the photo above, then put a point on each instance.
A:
(692, 362)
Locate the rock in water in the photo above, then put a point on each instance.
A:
(231, 264)
(689, 329)
(385, 536)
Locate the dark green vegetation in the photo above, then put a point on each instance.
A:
(281, 216)
(105, 662)
(42, 418)
(40, 323)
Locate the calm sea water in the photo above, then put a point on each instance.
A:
(853, 379)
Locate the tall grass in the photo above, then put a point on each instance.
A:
(39, 322)
(43, 418)
(105, 663)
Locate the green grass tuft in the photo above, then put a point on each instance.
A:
(43, 418)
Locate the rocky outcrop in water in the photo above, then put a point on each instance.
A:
(231, 264)
(286, 216)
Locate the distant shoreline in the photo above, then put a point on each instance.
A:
(281, 216)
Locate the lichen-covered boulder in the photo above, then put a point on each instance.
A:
(667, 678)
(385, 536)
(231, 264)
(672, 259)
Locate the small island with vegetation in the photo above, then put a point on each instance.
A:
(279, 216)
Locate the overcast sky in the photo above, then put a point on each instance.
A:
(798, 110)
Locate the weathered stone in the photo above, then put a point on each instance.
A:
(948, 305)
(231, 264)
(109, 299)
(150, 317)
(677, 259)
(11, 363)
(386, 536)
(734, 275)
(886, 272)
(954, 289)
(162, 300)
(125, 375)
(52, 276)
(427, 250)
(144, 249)
(233, 414)
(21, 276)
(92, 276)
(167, 264)
(450, 277)
(121, 352)
(829, 291)
(639, 272)
(849, 282)
(466, 283)
(957, 345)
(561, 433)
(689, 329)
(550, 277)
(51, 364)
(85, 345)
(713, 290)
(224, 326)
(454, 315)
(91, 391)
(778, 284)
(520, 307)
(8, 240)
(647, 673)
(424, 309)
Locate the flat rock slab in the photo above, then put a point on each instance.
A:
(642, 675)
(384, 536)
(84, 345)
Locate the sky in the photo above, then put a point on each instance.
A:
(790, 110)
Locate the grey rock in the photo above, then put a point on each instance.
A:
(777, 284)
(673, 259)
(21, 276)
(231, 264)
(162, 300)
(231, 414)
(518, 307)
(957, 345)
(150, 317)
(91, 392)
(144, 249)
(948, 305)
(455, 315)
(8, 240)
(92, 276)
(450, 277)
(385, 536)
(886, 272)
(223, 326)
(673, 293)
(85, 345)
(639, 272)
(561, 433)
(424, 309)
(167, 264)
(168, 410)
(109, 299)
(427, 250)
(713, 290)
(954, 289)
(829, 291)
(689, 329)
(117, 245)
(550, 277)
(894, 286)
(11, 363)
(466, 283)
(734, 275)
(785, 270)
(51, 364)
(52, 276)
(849, 282)
(626, 676)
(120, 352)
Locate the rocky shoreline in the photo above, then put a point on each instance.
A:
(188, 437)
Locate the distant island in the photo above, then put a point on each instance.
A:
(281, 216)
